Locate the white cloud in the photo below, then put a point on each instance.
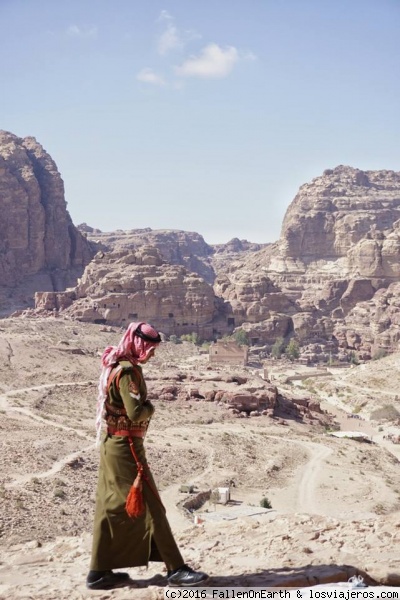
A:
(164, 16)
(169, 40)
(172, 38)
(249, 56)
(149, 76)
(213, 62)
(82, 32)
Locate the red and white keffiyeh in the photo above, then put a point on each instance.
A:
(135, 346)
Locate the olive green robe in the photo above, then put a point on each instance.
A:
(118, 540)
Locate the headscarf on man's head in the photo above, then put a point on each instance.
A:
(135, 346)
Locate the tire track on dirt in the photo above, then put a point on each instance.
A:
(306, 494)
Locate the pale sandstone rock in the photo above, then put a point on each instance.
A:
(338, 250)
(39, 244)
(322, 281)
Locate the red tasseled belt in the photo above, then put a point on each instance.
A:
(137, 432)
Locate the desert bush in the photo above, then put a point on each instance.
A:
(265, 503)
(59, 493)
(379, 353)
(278, 347)
(292, 350)
(190, 337)
(241, 338)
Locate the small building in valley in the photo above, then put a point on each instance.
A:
(228, 352)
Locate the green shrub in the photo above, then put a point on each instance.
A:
(278, 347)
(191, 337)
(380, 353)
(241, 338)
(292, 351)
(265, 503)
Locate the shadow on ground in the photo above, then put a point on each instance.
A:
(286, 577)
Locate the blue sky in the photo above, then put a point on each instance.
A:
(201, 115)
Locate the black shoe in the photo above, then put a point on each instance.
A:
(104, 580)
(186, 576)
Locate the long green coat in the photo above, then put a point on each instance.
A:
(118, 540)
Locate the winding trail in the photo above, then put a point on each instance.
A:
(56, 468)
(306, 477)
(306, 495)
(59, 464)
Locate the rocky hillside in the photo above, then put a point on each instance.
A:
(330, 281)
(39, 246)
(123, 285)
(334, 271)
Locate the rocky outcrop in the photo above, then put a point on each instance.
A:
(339, 248)
(39, 246)
(323, 282)
(161, 276)
(372, 326)
(185, 248)
(124, 286)
(343, 221)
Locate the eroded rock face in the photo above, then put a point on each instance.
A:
(124, 286)
(330, 280)
(373, 325)
(335, 213)
(37, 236)
(185, 248)
(175, 247)
(339, 247)
(161, 276)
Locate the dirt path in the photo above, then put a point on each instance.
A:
(56, 468)
(307, 499)
(303, 495)
(60, 464)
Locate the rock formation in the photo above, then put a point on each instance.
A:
(185, 248)
(127, 285)
(330, 280)
(338, 251)
(39, 246)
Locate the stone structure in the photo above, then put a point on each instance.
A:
(119, 287)
(228, 352)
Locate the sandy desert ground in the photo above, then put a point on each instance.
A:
(335, 502)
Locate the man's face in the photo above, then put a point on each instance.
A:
(149, 356)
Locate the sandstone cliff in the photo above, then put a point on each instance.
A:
(331, 280)
(127, 285)
(176, 247)
(185, 248)
(39, 246)
(339, 247)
